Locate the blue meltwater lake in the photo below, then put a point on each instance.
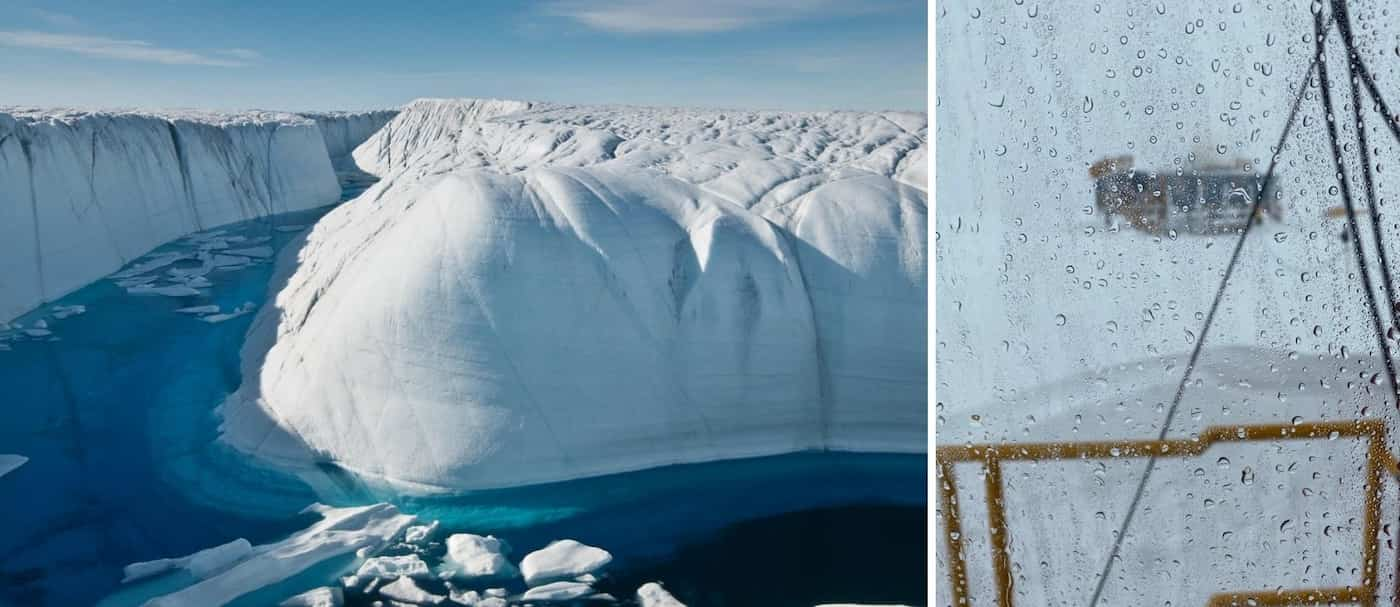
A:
(110, 392)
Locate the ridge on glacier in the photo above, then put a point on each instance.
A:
(537, 292)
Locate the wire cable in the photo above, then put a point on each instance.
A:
(1343, 20)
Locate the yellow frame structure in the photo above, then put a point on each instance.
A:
(991, 456)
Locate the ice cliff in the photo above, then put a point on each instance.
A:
(83, 193)
(344, 131)
(538, 292)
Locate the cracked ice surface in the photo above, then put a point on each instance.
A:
(538, 292)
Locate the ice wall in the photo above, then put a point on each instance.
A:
(83, 193)
(344, 131)
(535, 293)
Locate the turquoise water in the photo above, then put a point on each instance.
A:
(114, 410)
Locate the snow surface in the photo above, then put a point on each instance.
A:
(562, 560)
(536, 292)
(83, 193)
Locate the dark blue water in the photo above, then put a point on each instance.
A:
(115, 412)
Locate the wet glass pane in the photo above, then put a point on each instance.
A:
(1165, 310)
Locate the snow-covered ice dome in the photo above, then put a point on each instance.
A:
(535, 293)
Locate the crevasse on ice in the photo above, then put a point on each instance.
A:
(83, 193)
(537, 292)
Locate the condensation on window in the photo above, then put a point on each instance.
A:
(1166, 238)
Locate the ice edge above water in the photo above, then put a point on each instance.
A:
(535, 293)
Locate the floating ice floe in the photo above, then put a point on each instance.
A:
(651, 594)
(246, 308)
(9, 462)
(404, 589)
(558, 591)
(62, 312)
(202, 564)
(259, 252)
(418, 534)
(325, 596)
(341, 531)
(473, 556)
(167, 291)
(562, 560)
(388, 567)
(464, 597)
(209, 309)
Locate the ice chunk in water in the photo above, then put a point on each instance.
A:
(260, 252)
(558, 591)
(404, 589)
(393, 566)
(471, 556)
(168, 291)
(341, 531)
(562, 560)
(202, 564)
(651, 594)
(324, 596)
(10, 461)
(420, 533)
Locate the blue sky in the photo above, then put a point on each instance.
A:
(789, 54)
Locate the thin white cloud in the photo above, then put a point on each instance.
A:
(112, 48)
(691, 16)
(241, 53)
(55, 18)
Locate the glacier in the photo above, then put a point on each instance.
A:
(537, 292)
(343, 131)
(82, 193)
